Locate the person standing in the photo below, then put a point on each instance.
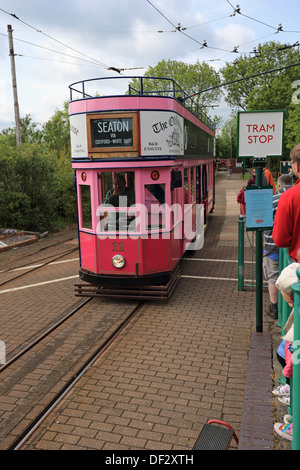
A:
(271, 251)
(251, 180)
(286, 228)
(267, 179)
(241, 199)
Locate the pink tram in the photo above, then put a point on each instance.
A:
(144, 172)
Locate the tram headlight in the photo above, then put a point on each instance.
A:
(118, 261)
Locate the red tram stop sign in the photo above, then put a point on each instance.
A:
(260, 133)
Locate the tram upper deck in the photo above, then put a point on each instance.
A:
(144, 123)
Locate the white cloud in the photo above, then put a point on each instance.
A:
(233, 35)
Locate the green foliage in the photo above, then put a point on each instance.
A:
(226, 140)
(268, 91)
(36, 180)
(56, 132)
(192, 78)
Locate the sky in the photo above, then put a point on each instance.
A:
(59, 42)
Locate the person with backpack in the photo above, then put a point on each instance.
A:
(267, 179)
(241, 200)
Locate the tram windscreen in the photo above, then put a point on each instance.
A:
(117, 191)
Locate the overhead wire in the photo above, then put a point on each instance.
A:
(48, 49)
(52, 38)
(178, 28)
(246, 78)
(204, 43)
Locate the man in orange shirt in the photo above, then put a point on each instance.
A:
(268, 179)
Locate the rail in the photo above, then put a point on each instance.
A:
(144, 86)
(283, 313)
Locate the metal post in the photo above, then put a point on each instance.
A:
(241, 225)
(259, 282)
(296, 366)
(259, 258)
(14, 84)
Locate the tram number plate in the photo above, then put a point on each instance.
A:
(118, 246)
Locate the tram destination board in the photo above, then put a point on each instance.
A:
(112, 132)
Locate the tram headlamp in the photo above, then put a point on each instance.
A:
(155, 175)
(118, 261)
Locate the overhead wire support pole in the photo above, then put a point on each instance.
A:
(14, 85)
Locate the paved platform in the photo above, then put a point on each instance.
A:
(195, 357)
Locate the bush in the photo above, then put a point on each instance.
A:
(36, 190)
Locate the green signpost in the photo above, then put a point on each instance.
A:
(260, 135)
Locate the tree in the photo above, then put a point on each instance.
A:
(268, 90)
(56, 132)
(292, 128)
(192, 79)
(226, 139)
(29, 132)
(36, 180)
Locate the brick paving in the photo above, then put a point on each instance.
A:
(181, 362)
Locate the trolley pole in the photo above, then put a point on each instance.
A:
(14, 85)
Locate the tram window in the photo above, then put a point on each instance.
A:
(186, 179)
(155, 204)
(118, 189)
(86, 208)
(192, 185)
(186, 186)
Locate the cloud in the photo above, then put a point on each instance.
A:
(233, 35)
(118, 33)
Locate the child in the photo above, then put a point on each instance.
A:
(241, 199)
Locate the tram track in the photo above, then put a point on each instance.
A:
(33, 268)
(31, 253)
(39, 338)
(24, 436)
(60, 352)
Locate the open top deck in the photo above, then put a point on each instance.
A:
(155, 118)
(143, 86)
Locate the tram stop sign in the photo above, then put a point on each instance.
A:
(260, 134)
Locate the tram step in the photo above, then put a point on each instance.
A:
(215, 435)
(160, 292)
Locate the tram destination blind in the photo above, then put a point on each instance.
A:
(110, 132)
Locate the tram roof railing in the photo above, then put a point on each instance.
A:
(172, 90)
